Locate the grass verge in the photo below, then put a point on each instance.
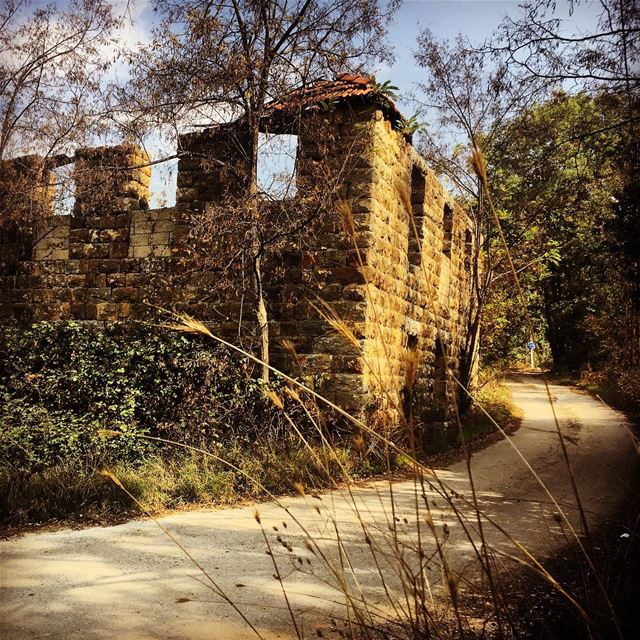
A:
(496, 398)
(478, 429)
(76, 494)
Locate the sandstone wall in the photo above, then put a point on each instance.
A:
(417, 261)
(315, 262)
(103, 261)
(353, 256)
(334, 152)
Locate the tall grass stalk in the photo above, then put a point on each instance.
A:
(413, 604)
(417, 598)
(479, 165)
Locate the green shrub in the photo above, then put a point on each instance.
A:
(61, 382)
(34, 438)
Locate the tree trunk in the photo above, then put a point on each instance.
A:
(469, 356)
(257, 249)
(262, 317)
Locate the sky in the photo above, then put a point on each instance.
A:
(476, 20)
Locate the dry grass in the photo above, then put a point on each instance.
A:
(399, 558)
(496, 398)
(78, 495)
(415, 605)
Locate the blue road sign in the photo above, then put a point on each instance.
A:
(532, 345)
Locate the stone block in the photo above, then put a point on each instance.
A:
(98, 295)
(52, 311)
(78, 235)
(164, 226)
(77, 310)
(314, 363)
(124, 310)
(330, 292)
(109, 266)
(125, 294)
(59, 254)
(130, 265)
(6, 310)
(140, 251)
(91, 311)
(78, 295)
(159, 238)
(122, 221)
(346, 275)
(60, 230)
(185, 179)
(115, 280)
(354, 292)
(95, 251)
(187, 194)
(134, 280)
(77, 222)
(23, 311)
(160, 251)
(142, 229)
(347, 364)
(181, 232)
(119, 250)
(165, 214)
(101, 222)
(76, 281)
(139, 239)
(336, 344)
(106, 311)
(62, 295)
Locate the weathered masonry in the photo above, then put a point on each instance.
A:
(404, 296)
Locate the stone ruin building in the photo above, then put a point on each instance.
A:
(114, 259)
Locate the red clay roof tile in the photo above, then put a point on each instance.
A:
(346, 86)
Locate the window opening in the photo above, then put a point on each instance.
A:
(164, 184)
(277, 165)
(64, 186)
(418, 187)
(412, 345)
(468, 249)
(447, 223)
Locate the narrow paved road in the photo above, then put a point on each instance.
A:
(132, 582)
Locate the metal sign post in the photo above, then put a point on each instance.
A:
(532, 347)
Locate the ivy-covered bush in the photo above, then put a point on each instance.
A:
(62, 382)
(34, 438)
